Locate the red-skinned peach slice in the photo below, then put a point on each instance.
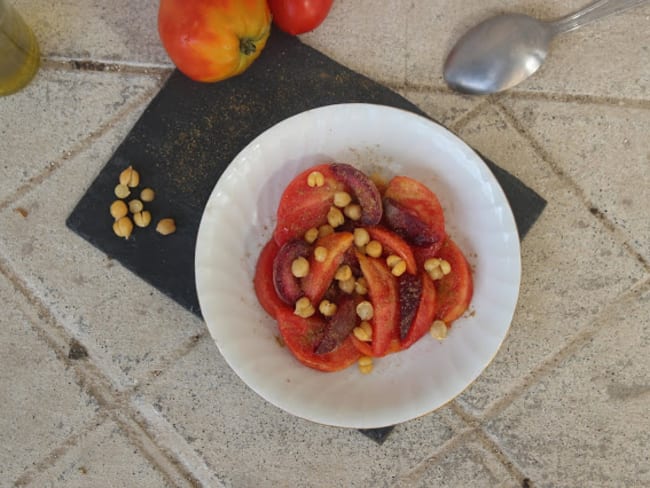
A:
(364, 189)
(414, 210)
(301, 336)
(410, 293)
(425, 313)
(287, 286)
(339, 326)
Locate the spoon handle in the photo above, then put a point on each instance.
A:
(593, 11)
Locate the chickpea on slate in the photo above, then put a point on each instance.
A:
(124, 224)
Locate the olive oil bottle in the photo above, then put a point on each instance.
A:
(19, 53)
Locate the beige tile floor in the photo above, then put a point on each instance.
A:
(565, 403)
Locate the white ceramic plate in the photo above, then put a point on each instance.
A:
(240, 216)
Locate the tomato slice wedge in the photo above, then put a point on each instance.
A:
(383, 294)
(263, 280)
(394, 245)
(302, 206)
(321, 273)
(419, 203)
(302, 336)
(421, 324)
(455, 289)
(365, 348)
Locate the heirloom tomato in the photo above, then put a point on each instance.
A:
(213, 40)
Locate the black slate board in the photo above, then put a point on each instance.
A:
(191, 131)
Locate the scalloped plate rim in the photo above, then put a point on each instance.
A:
(205, 252)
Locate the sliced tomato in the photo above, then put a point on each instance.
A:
(365, 348)
(420, 326)
(425, 313)
(395, 245)
(455, 289)
(417, 200)
(263, 280)
(302, 336)
(302, 206)
(383, 294)
(321, 273)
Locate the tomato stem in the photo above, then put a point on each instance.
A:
(247, 46)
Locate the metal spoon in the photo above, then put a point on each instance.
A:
(504, 50)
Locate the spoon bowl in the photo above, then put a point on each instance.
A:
(497, 54)
(504, 50)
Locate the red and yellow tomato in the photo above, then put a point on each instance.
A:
(211, 40)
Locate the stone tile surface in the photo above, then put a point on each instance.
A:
(53, 114)
(103, 457)
(435, 25)
(248, 442)
(586, 422)
(41, 403)
(119, 31)
(604, 150)
(571, 265)
(366, 36)
(467, 464)
(443, 107)
(127, 326)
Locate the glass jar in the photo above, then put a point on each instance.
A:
(19, 53)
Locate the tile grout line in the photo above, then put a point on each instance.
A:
(555, 358)
(459, 124)
(181, 351)
(473, 428)
(640, 103)
(86, 64)
(455, 441)
(582, 99)
(490, 445)
(167, 436)
(58, 452)
(476, 422)
(134, 425)
(98, 386)
(577, 190)
(76, 149)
